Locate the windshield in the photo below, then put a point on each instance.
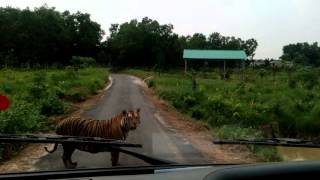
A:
(171, 76)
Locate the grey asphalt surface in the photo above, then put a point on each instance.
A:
(157, 138)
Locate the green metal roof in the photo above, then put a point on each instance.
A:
(189, 54)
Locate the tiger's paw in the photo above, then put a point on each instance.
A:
(72, 165)
(115, 164)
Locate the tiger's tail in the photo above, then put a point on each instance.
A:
(53, 150)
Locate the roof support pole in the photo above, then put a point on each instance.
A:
(224, 69)
(185, 66)
(242, 68)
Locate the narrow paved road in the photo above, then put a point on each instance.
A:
(156, 137)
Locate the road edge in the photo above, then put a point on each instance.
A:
(110, 83)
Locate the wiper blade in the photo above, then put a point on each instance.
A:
(106, 143)
(31, 138)
(148, 159)
(289, 142)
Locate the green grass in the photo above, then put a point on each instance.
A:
(289, 101)
(36, 95)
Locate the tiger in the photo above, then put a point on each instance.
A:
(117, 127)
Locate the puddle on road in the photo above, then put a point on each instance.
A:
(299, 154)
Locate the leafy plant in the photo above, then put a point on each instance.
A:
(51, 105)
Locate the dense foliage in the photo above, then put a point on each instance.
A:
(44, 36)
(150, 44)
(302, 53)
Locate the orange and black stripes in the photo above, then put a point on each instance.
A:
(93, 128)
(117, 127)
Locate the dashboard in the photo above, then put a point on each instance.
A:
(260, 171)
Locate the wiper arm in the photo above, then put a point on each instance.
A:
(148, 159)
(107, 143)
(289, 142)
(9, 138)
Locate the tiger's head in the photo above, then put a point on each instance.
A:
(131, 119)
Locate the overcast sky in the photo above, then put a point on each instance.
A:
(273, 23)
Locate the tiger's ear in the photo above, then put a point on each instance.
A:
(138, 110)
(124, 112)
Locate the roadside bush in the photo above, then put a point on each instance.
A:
(38, 87)
(77, 94)
(7, 87)
(94, 86)
(34, 96)
(71, 74)
(51, 105)
(59, 91)
(56, 78)
(21, 117)
(151, 84)
(82, 62)
(238, 132)
(197, 112)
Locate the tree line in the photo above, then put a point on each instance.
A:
(44, 36)
(148, 43)
(302, 53)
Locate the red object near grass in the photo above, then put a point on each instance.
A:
(4, 103)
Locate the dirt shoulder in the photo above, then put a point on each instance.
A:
(199, 135)
(25, 160)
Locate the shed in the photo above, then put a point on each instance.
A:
(214, 55)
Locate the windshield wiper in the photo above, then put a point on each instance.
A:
(31, 138)
(107, 143)
(289, 142)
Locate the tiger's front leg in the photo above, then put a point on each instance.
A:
(114, 157)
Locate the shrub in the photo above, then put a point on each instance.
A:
(262, 73)
(38, 87)
(82, 62)
(94, 85)
(77, 94)
(308, 77)
(20, 117)
(292, 83)
(56, 78)
(238, 132)
(151, 84)
(7, 87)
(71, 74)
(51, 105)
(197, 112)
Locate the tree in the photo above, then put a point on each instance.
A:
(145, 43)
(197, 41)
(250, 47)
(44, 36)
(302, 53)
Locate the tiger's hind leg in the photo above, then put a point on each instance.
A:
(114, 157)
(66, 157)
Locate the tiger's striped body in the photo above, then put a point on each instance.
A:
(116, 128)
